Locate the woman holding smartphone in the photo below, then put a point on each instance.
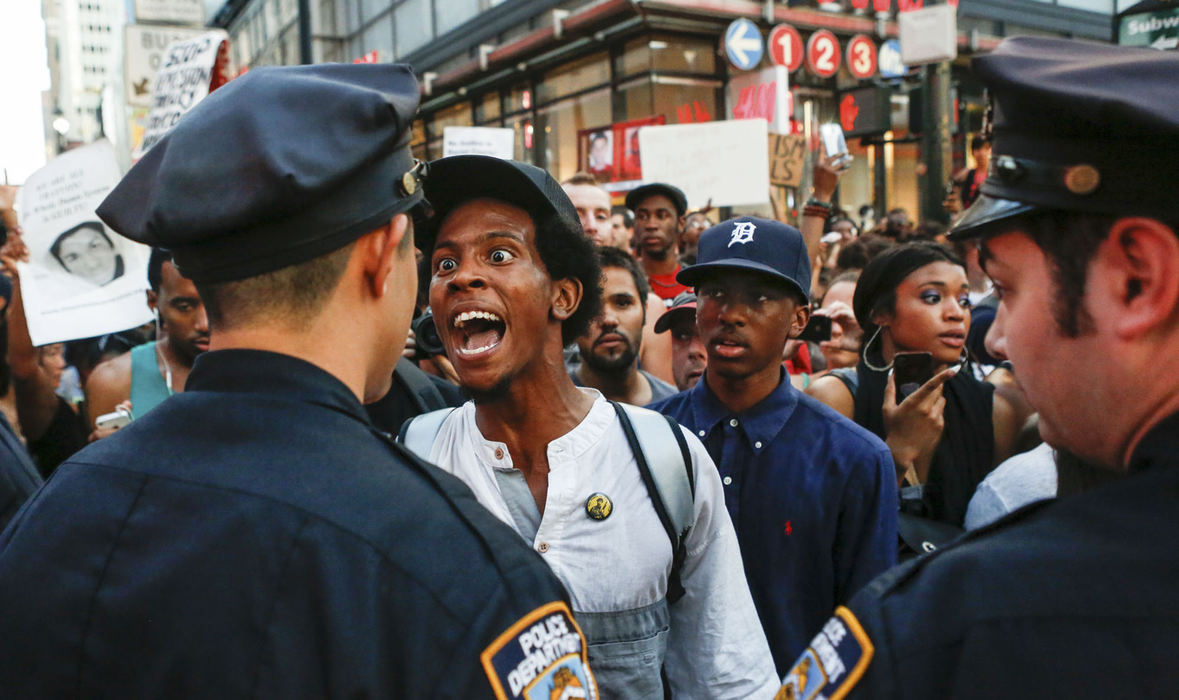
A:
(946, 429)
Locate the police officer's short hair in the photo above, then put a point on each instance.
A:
(293, 294)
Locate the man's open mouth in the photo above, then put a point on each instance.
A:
(478, 332)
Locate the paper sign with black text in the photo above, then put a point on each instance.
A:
(82, 279)
(190, 70)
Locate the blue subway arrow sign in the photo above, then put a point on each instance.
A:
(743, 44)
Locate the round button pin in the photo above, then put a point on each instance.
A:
(598, 506)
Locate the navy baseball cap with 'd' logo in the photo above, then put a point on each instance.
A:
(750, 243)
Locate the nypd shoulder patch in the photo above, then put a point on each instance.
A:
(833, 663)
(542, 655)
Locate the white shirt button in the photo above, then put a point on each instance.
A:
(757, 444)
(542, 547)
(733, 422)
(727, 480)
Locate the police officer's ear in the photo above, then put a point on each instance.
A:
(384, 250)
(1136, 278)
(566, 297)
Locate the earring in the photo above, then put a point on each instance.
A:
(867, 347)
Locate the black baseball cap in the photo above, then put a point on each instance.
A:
(636, 196)
(683, 303)
(276, 167)
(750, 243)
(1077, 126)
(450, 182)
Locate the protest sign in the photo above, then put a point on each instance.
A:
(143, 54)
(191, 69)
(726, 162)
(787, 159)
(478, 141)
(82, 279)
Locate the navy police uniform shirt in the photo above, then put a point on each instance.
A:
(255, 536)
(813, 499)
(1071, 598)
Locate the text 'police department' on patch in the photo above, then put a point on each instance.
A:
(541, 657)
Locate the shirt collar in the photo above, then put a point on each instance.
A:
(760, 424)
(1157, 446)
(274, 374)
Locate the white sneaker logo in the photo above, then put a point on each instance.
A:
(742, 232)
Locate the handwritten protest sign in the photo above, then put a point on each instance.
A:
(191, 69)
(726, 161)
(787, 159)
(82, 279)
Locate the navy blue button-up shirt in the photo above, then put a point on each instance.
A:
(812, 496)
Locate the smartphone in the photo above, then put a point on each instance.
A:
(834, 142)
(911, 369)
(817, 329)
(119, 418)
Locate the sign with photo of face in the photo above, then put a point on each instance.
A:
(82, 279)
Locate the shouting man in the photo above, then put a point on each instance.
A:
(514, 281)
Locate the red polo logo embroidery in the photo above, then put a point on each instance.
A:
(788, 529)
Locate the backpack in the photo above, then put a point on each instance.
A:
(666, 472)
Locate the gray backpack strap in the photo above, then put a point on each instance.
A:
(671, 472)
(418, 433)
(667, 475)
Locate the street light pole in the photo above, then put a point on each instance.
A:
(305, 32)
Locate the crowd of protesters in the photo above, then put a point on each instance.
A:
(821, 402)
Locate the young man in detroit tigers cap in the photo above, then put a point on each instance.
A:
(256, 535)
(812, 495)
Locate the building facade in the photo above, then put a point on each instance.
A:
(84, 47)
(558, 72)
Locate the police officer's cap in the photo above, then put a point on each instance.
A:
(1078, 126)
(451, 182)
(277, 167)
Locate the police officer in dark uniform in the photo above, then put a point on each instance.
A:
(1077, 226)
(256, 535)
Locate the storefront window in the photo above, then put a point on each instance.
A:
(678, 101)
(557, 127)
(454, 115)
(518, 98)
(524, 139)
(667, 53)
(487, 108)
(579, 75)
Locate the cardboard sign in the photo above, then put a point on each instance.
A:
(478, 141)
(726, 162)
(191, 68)
(143, 56)
(82, 279)
(787, 159)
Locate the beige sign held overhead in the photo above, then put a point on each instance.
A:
(787, 159)
(144, 54)
(725, 162)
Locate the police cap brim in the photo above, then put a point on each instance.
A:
(985, 213)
